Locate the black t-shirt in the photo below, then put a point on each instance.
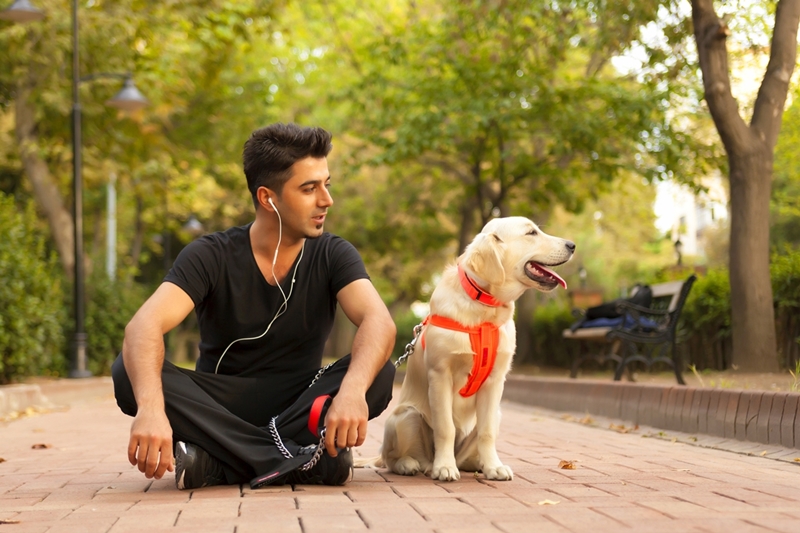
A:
(234, 301)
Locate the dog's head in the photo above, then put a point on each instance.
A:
(512, 254)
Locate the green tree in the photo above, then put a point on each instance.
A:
(750, 151)
(30, 296)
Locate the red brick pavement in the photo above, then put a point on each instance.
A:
(623, 482)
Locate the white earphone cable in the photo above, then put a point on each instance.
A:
(285, 305)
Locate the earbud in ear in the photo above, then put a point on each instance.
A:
(271, 202)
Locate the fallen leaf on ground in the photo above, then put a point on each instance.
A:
(3, 460)
(621, 428)
(674, 440)
(567, 465)
(41, 446)
(796, 460)
(586, 420)
(3, 522)
(762, 454)
(549, 502)
(568, 418)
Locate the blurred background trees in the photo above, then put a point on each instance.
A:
(444, 114)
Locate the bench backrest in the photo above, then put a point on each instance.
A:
(672, 289)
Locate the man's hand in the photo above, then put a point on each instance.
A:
(346, 422)
(150, 447)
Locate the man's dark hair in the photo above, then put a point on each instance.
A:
(270, 152)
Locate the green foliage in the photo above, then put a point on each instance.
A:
(785, 205)
(549, 348)
(109, 308)
(31, 311)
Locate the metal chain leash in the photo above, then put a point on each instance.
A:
(277, 438)
(410, 346)
(319, 374)
(321, 446)
(288, 455)
(317, 453)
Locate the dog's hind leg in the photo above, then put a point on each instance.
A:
(408, 442)
(467, 457)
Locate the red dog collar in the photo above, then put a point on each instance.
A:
(475, 292)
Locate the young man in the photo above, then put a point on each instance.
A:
(265, 295)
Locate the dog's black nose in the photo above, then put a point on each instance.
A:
(570, 246)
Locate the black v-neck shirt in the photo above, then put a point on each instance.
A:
(234, 301)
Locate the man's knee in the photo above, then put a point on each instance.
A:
(123, 390)
(381, 390)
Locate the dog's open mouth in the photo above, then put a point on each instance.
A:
(543, 275)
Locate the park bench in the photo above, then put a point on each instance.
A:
(643, 334)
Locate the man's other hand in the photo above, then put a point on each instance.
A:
(150, 447)
(346, 422)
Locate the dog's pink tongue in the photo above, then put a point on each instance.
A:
(558, 278)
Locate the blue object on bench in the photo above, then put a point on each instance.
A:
(645, 323)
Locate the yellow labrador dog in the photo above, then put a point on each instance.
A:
(449, 410)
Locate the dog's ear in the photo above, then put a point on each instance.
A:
(484, 257)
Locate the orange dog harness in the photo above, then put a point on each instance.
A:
(484, 338)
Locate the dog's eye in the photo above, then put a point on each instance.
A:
(533, 232)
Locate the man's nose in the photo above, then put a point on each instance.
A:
(326, 200)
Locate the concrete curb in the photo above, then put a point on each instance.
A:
(51, 394)
(765, 417)
(18, 398)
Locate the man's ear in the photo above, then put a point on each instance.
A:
(263, 195)
(484, 257)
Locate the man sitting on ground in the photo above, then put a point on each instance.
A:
(265, 295)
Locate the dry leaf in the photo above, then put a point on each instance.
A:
(549, 502)
(762, 454)
(568, 418)
(41, 446)
(3, 522)
(674, 440)
(567, 465)
(586, 420)
(620, 428)
(3, 460)
(796, 460)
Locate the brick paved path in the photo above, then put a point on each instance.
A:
(622, 482)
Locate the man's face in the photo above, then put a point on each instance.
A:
(305, 199)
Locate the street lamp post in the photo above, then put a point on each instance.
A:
(128, 99)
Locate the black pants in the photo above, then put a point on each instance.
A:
(228, 416)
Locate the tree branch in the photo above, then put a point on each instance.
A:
(710, 33)
(768, 112)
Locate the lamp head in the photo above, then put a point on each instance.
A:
(22, 11)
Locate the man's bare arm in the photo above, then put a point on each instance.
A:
(347, 417)
(150, 445)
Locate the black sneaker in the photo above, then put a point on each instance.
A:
(328, 470)
(195, 468)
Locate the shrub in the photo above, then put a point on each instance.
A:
(705, 329)
(31, 297)
(549, 348)
(109, 307)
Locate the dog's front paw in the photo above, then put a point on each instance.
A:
(500, 473)
(406, 466)
(446, 473)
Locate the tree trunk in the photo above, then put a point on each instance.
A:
(750, 155)
(753, 316)
(45, 190)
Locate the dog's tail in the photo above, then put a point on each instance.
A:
(369, 462)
